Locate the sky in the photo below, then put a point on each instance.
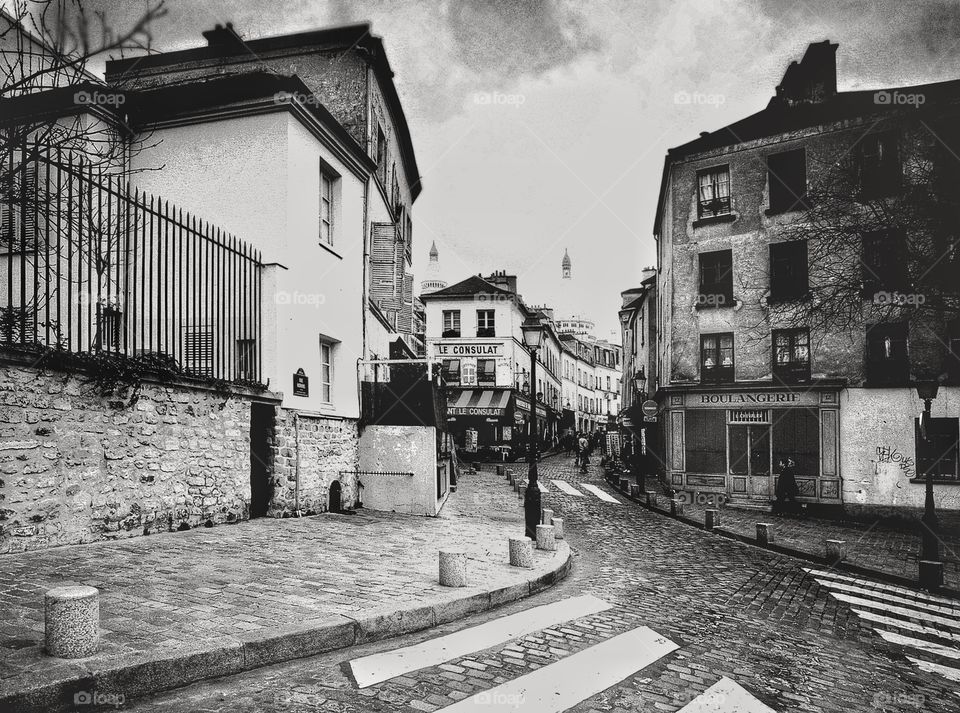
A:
(541, 125)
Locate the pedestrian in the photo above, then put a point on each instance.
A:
(787, 490)
(584, 453)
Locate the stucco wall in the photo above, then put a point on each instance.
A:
(878, 450)
(76, 466)
(400, 449)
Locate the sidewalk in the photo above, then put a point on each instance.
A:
(881, 548)
(179, 607)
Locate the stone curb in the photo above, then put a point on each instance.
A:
(842, 566)
(135, 675)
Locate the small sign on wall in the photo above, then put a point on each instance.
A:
(301, 384)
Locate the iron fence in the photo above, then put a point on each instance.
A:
(89, 265)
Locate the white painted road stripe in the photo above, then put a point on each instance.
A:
(908, 625)
(567, 488)
(928, 646)
(600, 493)
(951, 604)
(890, 598)
(561, 685)
(726, 696)
(381, 667)
(946, 671)
(897, 611)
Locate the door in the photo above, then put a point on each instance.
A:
(750, 456)
(261, 426)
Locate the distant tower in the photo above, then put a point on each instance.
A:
(431, 280)
(566, 265)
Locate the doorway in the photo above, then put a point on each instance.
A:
(335, 497)
(261, 429)
(751, 456)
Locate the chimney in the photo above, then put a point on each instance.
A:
(647, 273)
(501, 279)
(221, 36)
(814, 79)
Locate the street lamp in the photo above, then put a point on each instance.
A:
(931, 568)
(640, 382)
(532, 336)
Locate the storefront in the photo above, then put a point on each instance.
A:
(544, 420)
(731, 440)
(481, 420)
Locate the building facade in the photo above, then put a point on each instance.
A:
(743, 382)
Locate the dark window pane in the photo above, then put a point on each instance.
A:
(738, 450)
(789, 278)
(787, 177)
(706, 441)
(796, 435)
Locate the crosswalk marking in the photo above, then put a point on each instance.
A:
(947, 672)
(854, 589)
(881, 587)
(376, 668)
(899, 611)
(563, 684)
(603, 495)
(928, 646)
(908, 625)
(565, 487)
(726, 696)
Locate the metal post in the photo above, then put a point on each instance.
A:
(931, 527)
(531, 502)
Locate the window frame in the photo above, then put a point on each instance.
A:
(327, 377)
(723, 207)
(888, 371)
(881, 176)
(937, 454)
(718, 293)
(488, 319)
(718, 373)
(783, 199)
(482, 373)
(449, 373)
(884, 264)
(328, 178)
(793, 370)
(795, 285)
(454, 317)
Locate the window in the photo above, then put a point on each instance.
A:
(608, 383)
(884, 262)
(791, 355)
(788, 271)
(487, 371)
(716, 357)
(713, 192)
(409, 239)
(19, 204)
(716, 279)
(326, 206)
(326, 370)
(468, 374)
(937, 453)
(879, 164)
(451, 371)
(796, 435)
(485, 323)
(787, 178)
(887, 363)
(246, 360)
(451, 323)
(706, 447)
(198, 351)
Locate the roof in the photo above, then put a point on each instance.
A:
(357, 37)
(780, 117)
(471, 286)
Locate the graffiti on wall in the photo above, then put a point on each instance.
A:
(891, 454)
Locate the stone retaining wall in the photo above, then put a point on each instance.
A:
(76, 466)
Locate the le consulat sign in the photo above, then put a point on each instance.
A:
(476, 349)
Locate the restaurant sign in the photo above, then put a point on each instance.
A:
(447, 349)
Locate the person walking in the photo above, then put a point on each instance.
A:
(584, 453)
(787, 489)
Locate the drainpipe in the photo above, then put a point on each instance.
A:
(296, 464)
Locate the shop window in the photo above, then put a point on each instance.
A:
(796, 435)
(789, 279)
(750, 449)
(485, 323)
(879, 165)
(451, 371)
(487, 371)
(716, 357)
(791, 355)
(451, 323)
(713, 192)
(706, 447)
(937, 453)
(787, 178)
(716, 279)
(884, 262)
(887, 363)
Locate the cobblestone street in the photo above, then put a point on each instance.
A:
(762, 620)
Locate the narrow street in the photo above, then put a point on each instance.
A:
(688, 613)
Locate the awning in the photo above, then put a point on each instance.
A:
(478, 402)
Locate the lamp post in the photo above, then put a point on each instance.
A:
(931, 568)
(532, 335)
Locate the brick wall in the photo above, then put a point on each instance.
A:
(326, 447)
(76, 466)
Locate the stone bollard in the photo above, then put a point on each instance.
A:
(624, 484)
(676, 508)
(764, 533)
(931, 574)
(72, 621)
(547, 518)
(711, 518)
(651, 499)
(522, 490)
(453, 569)
(546, 538)
(476, 466)
(836, 550)
(509, 475)
(501, 469)
(558, 528)
(521, 552)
